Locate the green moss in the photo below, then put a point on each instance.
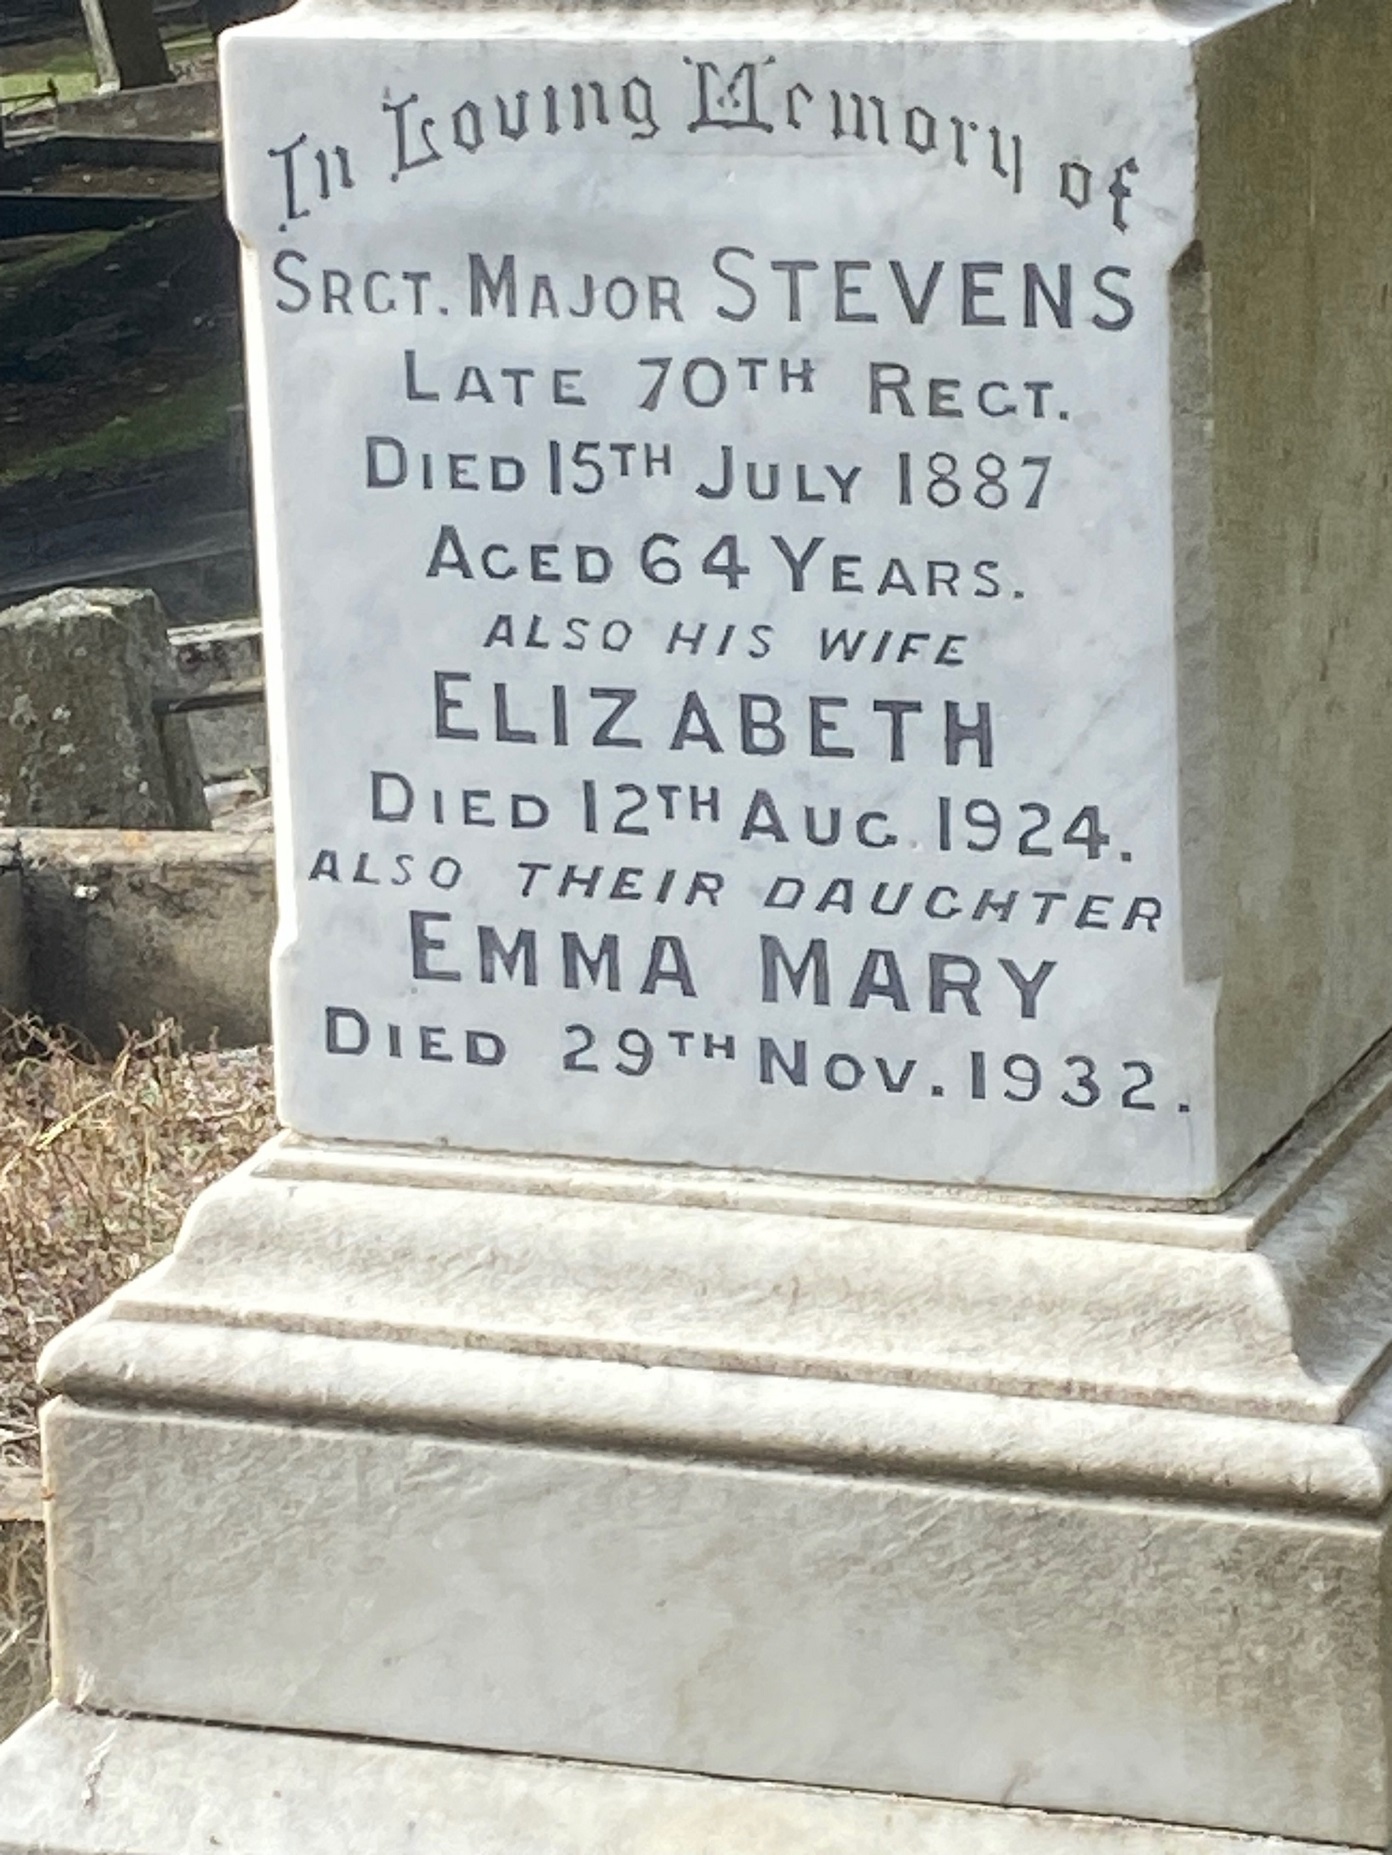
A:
(185, 417)
(68, 64)
(180, 47)
(23, 273)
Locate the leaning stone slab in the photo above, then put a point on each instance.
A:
(80, 741)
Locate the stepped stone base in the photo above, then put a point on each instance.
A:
(1067, 1506)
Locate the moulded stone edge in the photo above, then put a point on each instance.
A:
(753, 1419)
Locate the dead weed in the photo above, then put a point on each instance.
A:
(99, 1160)
(23, 1642)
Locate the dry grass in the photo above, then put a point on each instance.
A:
(23, 1639)
(98, 1163)
(99, 1160)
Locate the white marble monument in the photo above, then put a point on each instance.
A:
(805, 645)
(826, 584)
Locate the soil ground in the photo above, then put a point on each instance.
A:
(98, 1163)
(121, 437)
(117, 346)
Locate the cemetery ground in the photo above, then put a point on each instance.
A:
(36, 69)
(98, 1162)
(120, 439)
(120, 351)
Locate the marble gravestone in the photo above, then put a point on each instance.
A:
(827, 1282)
(777, 674)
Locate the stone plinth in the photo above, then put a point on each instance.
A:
(1071, 1508)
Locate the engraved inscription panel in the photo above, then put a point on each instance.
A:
(719, 566)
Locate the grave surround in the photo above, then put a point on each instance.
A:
(830, 1236)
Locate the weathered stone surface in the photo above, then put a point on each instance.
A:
(731, 1476)
(187, 110)
(223, 651)
(80, 743)
(21, 1497)
(229, 740)
(81, 1783)
(1186, 1663)
(124, 928)
(1276, 1310)
(14, 951)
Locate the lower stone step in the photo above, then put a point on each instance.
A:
(74, 1783)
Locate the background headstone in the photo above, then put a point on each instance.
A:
(126, 45)
(80, 741)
